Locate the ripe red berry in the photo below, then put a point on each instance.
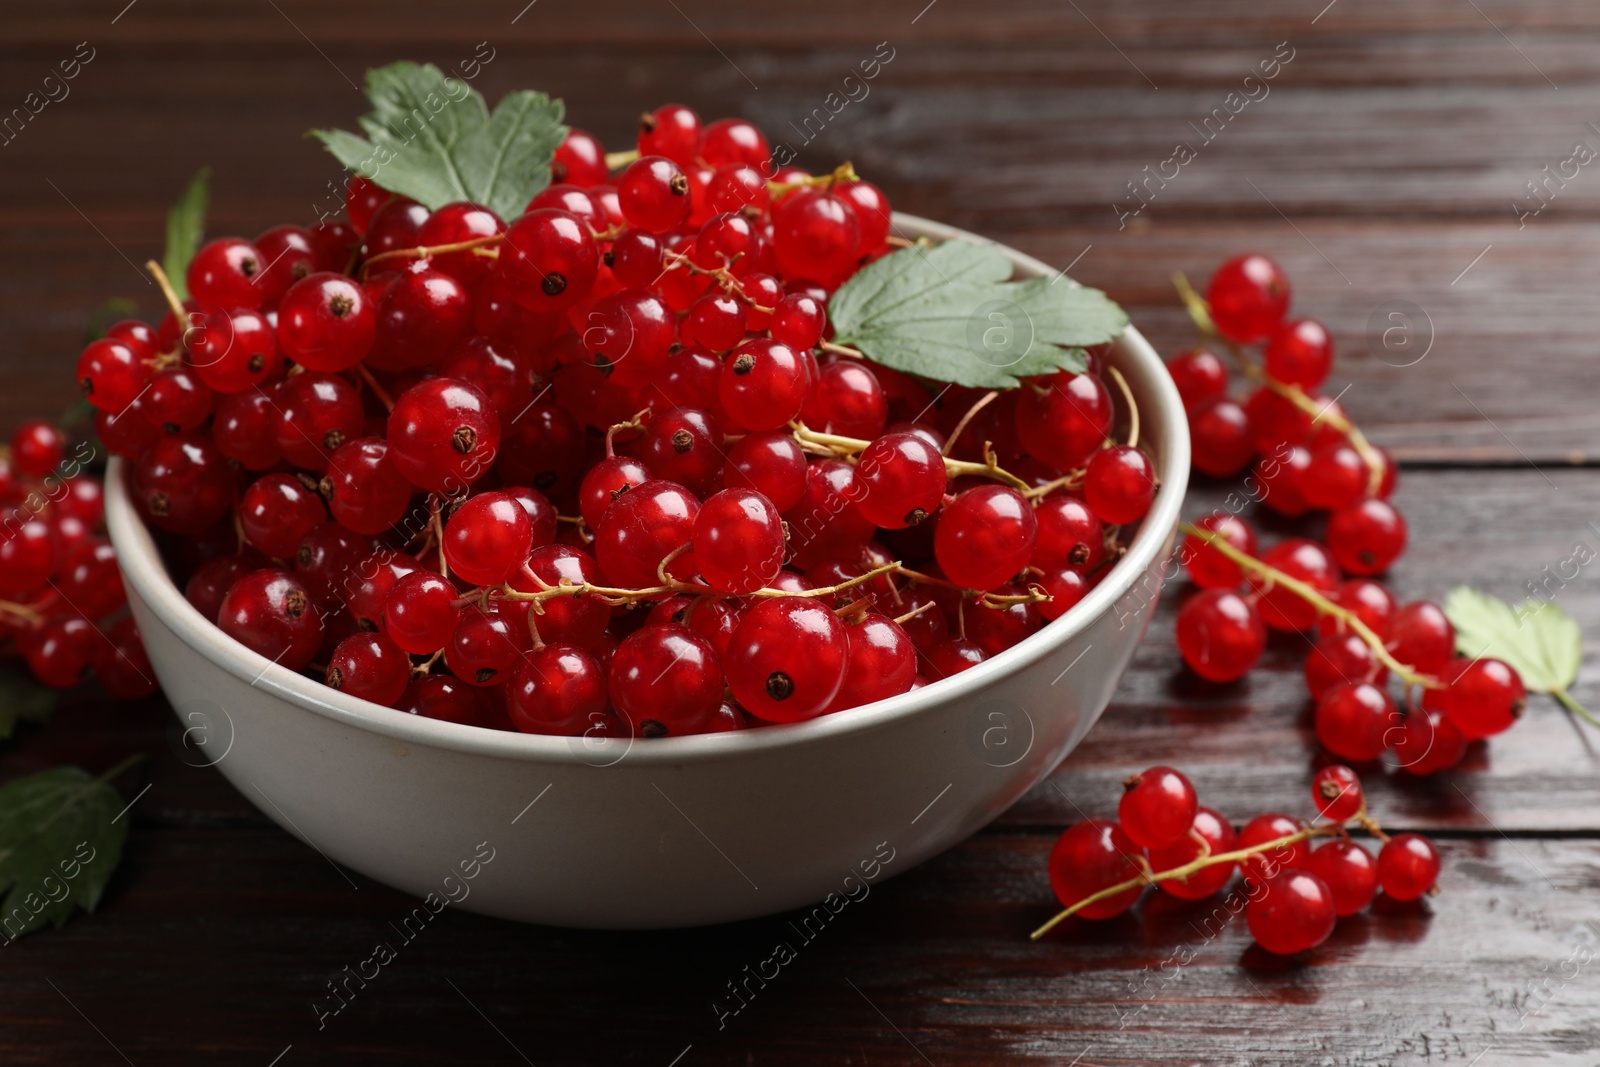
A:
(671, 130)
(420, 613)
(581, 160)
(421, 316)
(665, 680)
(654, 194)
(224, 272)
(559, 689)
(1421, 637)
(365, 489)
(1262, 829)
(1295, 913)
(1336, 790)
(728, 141)
(881, 662)
(1063, 419)
(985, 536)
(573, 620)
(1120, 484)
(183, 483)
(1302, 559)
(443, 434)
(684, 445)
(1219, 837)
(1248, 296)
(1427, 742)
(763, 384)
(1199, 375)
(629, 335)
(1367, 536)
(738, 541)
(1371, 602)
(233, 351)
(1300, 353)
(846, 399)
(815, 235)
(787, 659)
(1220, 635)
(1220, 432)
(37, 448)
(772, 463)
(488, 538)
(1408, 866)
(1349, 872)
(111, 373)
(1210, 569)
(641, 528)
(270, 613)
(371, 667)
(1091, 856)
(362, 199)
(550, 258)
(798, 320)
(277, 512)
(904, 481)
(1483, 697)
(455, 224)
(1353, 719)
(326, 322)
(1157, 807)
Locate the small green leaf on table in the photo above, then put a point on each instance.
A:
(186, 222)
(61, 837)
(951, 314)
(432, 138)
(1536, 637)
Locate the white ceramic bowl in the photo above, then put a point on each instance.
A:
(673, 831)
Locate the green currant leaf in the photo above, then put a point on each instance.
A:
(1537, 638)
(60, 840)
(951, 314)
(432, 138)
(22, 700)
(185, 223)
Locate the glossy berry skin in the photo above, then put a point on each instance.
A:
(317, 414)
(1295, 913)
(37, 448)
(1157, 807)
(1065, 588)
(1422, 637)
(653, 194)
(1092, 855)
(636, 258)
(1427, 742)
(1219, 836)
(270, 613)
(327, 561)
(737, 186)
(211, 581)
(245, 428)
(88, 578)
(1302, 559)
(950, 657)
(1120, 484)
(550, 258)
(581, 159)
(771, 463)
(728, 141)
(904, 480)
(985, 536)
(1339, 658)
(177, 400)
(111, 373)
(1336, 790)
(122, 665)
(846, 399)
(1352, 720)
(277, 512)
(183, 484)
(1070, 534)
(641, 527)
(665, 680)
(671, 130)
(420, 614)
(422, 315)
(798, 320)
(684, 446)
(62, 650)
(456, 223)
(1349, 872)
(362, 199)
(629, 335)
(374, 578)
(604, 482)
(1223, 444)
(1270, 827)
(487, 539)
(815, 235)
(738, 541)
(1483, 697)
(763, 384)
(486, 647)
(447, 699)
(1063, 419)
(443, 434)
(27, 561)
(1199, 375)
(1337, 476)
(1220, 635)
(326, 322)
(881, 662)
(233, 351)
(716, 322)
(1248, 296)
(365, 490)
(224, 272)
(1209, 568)
(873, 213)
(1366, 537)
(1408, 866)
(369, 666)
(394, 226)
(1300, 353)
(558, 689)
(786, 661)
(574, 620)
(1371, 602)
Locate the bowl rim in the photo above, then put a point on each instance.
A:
(143, 569)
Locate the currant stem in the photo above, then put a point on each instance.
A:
(844, 172)
(377, 390)
(972, 412)
(178, 311)
(842, 350)
(1311, 596)
(423, 252)
(1572, 705)
(954, 468)
(21, 611)
(1133, 408)
(618, 160)
(1209, 859)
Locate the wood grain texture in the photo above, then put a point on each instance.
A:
(1385, 164)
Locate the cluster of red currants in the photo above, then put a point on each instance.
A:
(1309, 457)
(600, 469)
(62, 604)
(1294, 893)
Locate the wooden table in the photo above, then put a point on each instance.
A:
(1383, 165)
